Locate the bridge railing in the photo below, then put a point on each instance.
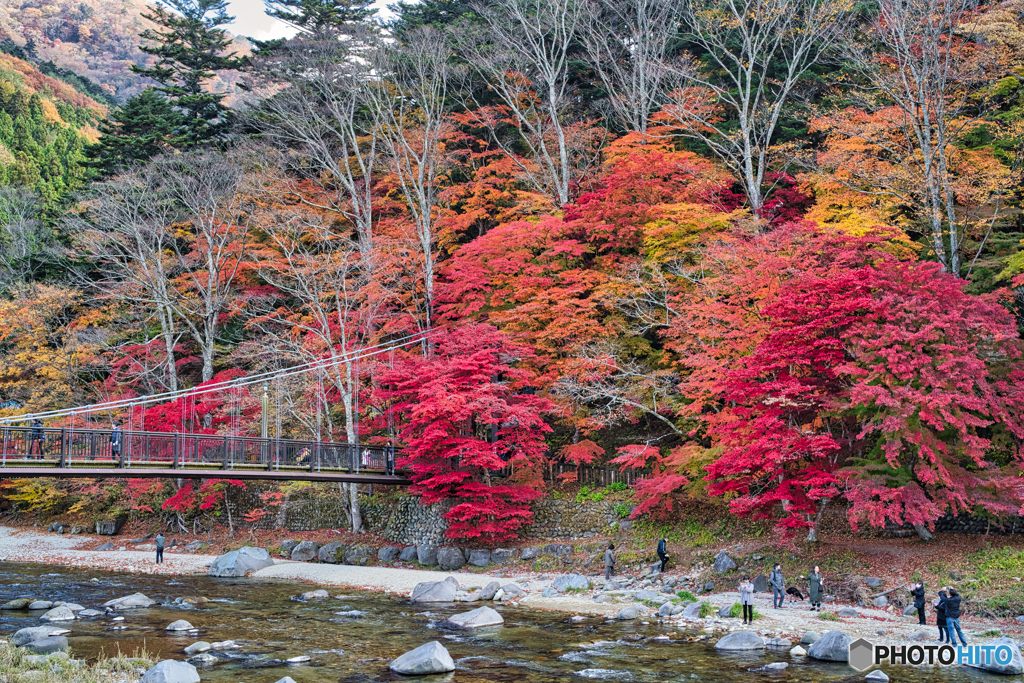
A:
(64, 447)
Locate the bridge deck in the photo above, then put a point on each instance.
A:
(67, 452)
(16, 469)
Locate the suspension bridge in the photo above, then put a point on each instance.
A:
(62, 452)
(27, 452)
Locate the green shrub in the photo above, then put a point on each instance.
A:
(828, 616)
(687, 595)
(707, 609)
(587, 494)
(621, 510)
(616, 486)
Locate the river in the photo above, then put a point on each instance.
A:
(533, 646)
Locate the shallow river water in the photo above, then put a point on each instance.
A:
(531, 647)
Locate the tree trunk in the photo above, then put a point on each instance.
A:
(812, 533)
(923, 532)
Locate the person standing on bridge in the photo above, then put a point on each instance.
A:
(115, 441)
(37, 439)
(160, 543)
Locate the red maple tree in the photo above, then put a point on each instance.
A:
(472, 433)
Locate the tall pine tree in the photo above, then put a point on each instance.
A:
(138, 131)
(320, 17)
(190, 47)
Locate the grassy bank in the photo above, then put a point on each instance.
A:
(20, 666)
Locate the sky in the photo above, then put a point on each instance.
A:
(252, 21)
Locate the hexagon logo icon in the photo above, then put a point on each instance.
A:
(861, 654)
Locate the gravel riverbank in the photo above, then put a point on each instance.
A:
(880, 625)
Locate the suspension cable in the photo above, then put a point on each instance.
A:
(318, 364)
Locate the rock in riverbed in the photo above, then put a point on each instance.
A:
(197, 647)
(834, 646)
(240, 562)
(171, 671)
(320, 594)
(45, 646)
(62, 613)
(18, 603)
(478, 618)
(27, 635)
(740, 640)
(435, 591)
(133, 601)
(180, 625)
(431, 658)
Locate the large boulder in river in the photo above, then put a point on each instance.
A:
(305, 551)
(997, 661)
(62, 613)
(332, 553)
(431, 658)
(133, 601)
(48, 645)
(27, 635)
(18, 603)
(241, 562)
(426, 554)
(450, 559)
(723, 563)
(435, 591)
(834, 646)
(171, 671)
(740, 640)
(478, 618)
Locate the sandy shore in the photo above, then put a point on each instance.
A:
(880, 625)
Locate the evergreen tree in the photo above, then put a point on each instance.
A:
(320, 17)
(442, 14)
(190, 48)
(140, 130)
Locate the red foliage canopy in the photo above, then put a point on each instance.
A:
(451, 402)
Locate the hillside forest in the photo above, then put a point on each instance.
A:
(762, 251)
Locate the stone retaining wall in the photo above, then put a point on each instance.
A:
(403, 520)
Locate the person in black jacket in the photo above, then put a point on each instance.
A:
(940, 617)
(953, 616)
(37, 439)
(663, 553)
(917, 590)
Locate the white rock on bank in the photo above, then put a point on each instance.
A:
(133, 601)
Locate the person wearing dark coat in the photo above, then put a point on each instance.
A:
(663, 553)
(940, 617)
(918, 592)
(816, 588)
(37, 439)
(953, 616)
(160, 543)
(609, 562)
(778, 585)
